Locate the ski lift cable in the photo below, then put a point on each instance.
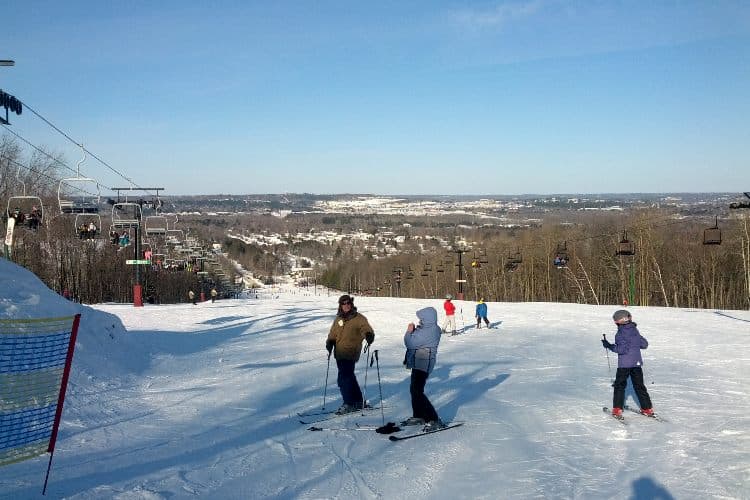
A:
(39, 150)
(77, 143)
(54, 160)
(48, 177)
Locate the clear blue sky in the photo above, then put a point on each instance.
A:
(388, 97)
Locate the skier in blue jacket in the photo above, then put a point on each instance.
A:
(481, 314)
(628, 345)
(421, 355)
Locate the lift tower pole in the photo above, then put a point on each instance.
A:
(461, 280)
(137, 261)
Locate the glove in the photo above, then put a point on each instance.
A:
(329, 345)
(369, 338)
(606, 344)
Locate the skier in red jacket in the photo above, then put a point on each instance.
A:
(450, 315)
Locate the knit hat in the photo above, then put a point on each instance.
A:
(344, 299)
(449, 297)
(620, 315)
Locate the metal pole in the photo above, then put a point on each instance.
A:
(137, 289)
(325, 389)
(364, 391)
(380, 387)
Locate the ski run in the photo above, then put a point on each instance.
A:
(183, 401)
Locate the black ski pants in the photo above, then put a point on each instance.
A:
(420, 405)
(621, 382)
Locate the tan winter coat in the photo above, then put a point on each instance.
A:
(348, 334)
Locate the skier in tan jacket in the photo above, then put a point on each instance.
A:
(345, 338)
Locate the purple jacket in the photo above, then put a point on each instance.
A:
(628, 345)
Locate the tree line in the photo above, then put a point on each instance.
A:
(670, 266)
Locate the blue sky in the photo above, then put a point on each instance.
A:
(439, 97)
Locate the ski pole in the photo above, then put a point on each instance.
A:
(325, 389)
(609, 366)
(364, 389)
(463, 323)
(380, 388)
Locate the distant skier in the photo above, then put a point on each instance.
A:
(628, 345)
(345, 338)
(481, 314)
(421, 354)
(214, 293)
(191, 296)
(450, 315)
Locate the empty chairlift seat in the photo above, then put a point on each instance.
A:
(712, 235)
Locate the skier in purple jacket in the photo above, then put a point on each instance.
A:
(628, 345)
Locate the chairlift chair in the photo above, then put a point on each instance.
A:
(126, 215)
(74, 196)
(561, 255)
(625, 247)
(155, 225)
(516, 257)
(175, 236)
(84, 220)
(79, 194)
(712, 235)
(28, 208)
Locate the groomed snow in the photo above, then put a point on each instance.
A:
(184, 401)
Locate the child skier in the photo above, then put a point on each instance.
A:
(481, 314)
(628, 345)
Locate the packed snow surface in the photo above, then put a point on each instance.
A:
(184, 401)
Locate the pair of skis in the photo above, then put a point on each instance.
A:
(621, 418)
(315, 416)
(451, 425)
(329, 415)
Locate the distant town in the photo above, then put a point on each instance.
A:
(439, 205)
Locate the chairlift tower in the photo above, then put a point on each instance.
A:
(626, 249)
(397, 271)
(137, 261)
(461, 280)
